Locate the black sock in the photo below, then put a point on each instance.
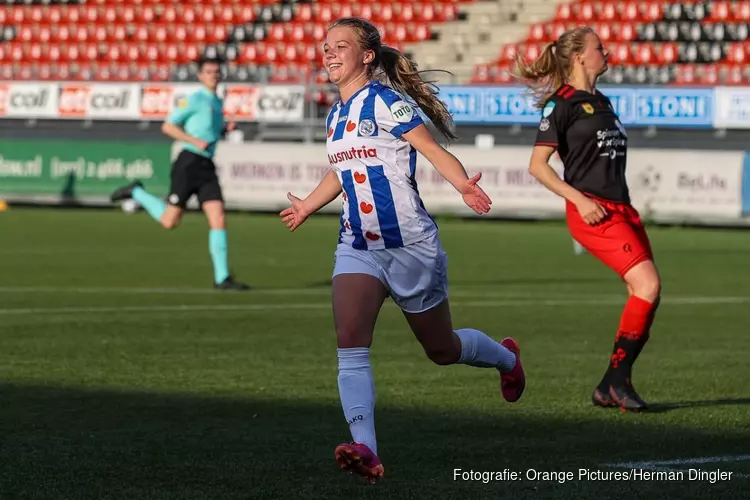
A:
(621, 361)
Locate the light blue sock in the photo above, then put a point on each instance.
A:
(477, 349)
(217, 246)
(153, 205)
(357, 393)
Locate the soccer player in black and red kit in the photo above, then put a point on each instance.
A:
(580, 123)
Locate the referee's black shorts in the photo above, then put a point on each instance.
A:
(193, 174)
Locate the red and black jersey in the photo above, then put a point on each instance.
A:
(591, 142)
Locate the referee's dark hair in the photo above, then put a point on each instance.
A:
(208, 60)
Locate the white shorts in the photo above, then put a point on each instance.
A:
(415, 275)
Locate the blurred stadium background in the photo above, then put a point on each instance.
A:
(123, 375)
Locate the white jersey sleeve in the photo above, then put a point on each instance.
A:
(394, 114)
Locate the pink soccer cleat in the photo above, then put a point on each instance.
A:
(357, 457)
(513, 383)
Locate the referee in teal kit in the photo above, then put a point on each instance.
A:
(198, 122)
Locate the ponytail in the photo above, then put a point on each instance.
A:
(543, 76)
(402, 74)
(552, 68)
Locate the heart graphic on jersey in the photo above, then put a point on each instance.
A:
(365, 207)
(350, 126)
(330, 132)
(346, 225)
(344, 196)
(372, 236)
(360, 178)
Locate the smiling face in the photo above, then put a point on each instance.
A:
(343, 57)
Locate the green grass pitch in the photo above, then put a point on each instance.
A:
(123, 375)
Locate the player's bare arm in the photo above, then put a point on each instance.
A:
(450, 168)
(540, 168)
(178, 134)
(444, 162)
(324, 193)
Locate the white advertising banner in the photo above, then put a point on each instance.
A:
(98, 101)
(732, 107)
(31, 100)
(665, 185)
(144, 101)
(686, 185)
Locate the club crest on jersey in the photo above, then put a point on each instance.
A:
(402, 112)
(548, 108)
(544, 125)
(588, 108)
(366, 127)
(182, 103)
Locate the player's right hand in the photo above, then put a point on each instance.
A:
(295, 215)
(201, 144)
(591, 212)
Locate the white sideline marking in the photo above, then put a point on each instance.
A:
(661, 465)
(327, 305)
(529, 297)
(683, 461)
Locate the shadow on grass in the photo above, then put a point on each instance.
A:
(665, 407)
(70, 443)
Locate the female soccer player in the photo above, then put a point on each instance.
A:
(388, 243)
(581, 124)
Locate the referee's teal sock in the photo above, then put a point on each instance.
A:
(153, 205)
(217, 245)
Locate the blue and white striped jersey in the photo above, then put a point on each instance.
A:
(381, 204)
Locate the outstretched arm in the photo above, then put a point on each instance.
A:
(327, 190)
(450, 168)
(324, 193)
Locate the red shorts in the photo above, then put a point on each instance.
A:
(619, 240)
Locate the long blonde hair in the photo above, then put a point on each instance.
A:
(552, 68)
(397, 71)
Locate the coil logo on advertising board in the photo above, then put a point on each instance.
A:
(281, 103)
(102, 101)
(29, 100)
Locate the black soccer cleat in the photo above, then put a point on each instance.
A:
(603, 399)
(231, 284)
(627, 399)
(125, 192)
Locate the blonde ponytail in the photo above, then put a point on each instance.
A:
(402, 74)
(552, 68)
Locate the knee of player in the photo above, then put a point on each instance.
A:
(349, 336)
(443, 356)
(653, 288)
(217, 223)
(649, 289)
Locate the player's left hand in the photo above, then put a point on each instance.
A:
(475, 197)
(296, 214)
